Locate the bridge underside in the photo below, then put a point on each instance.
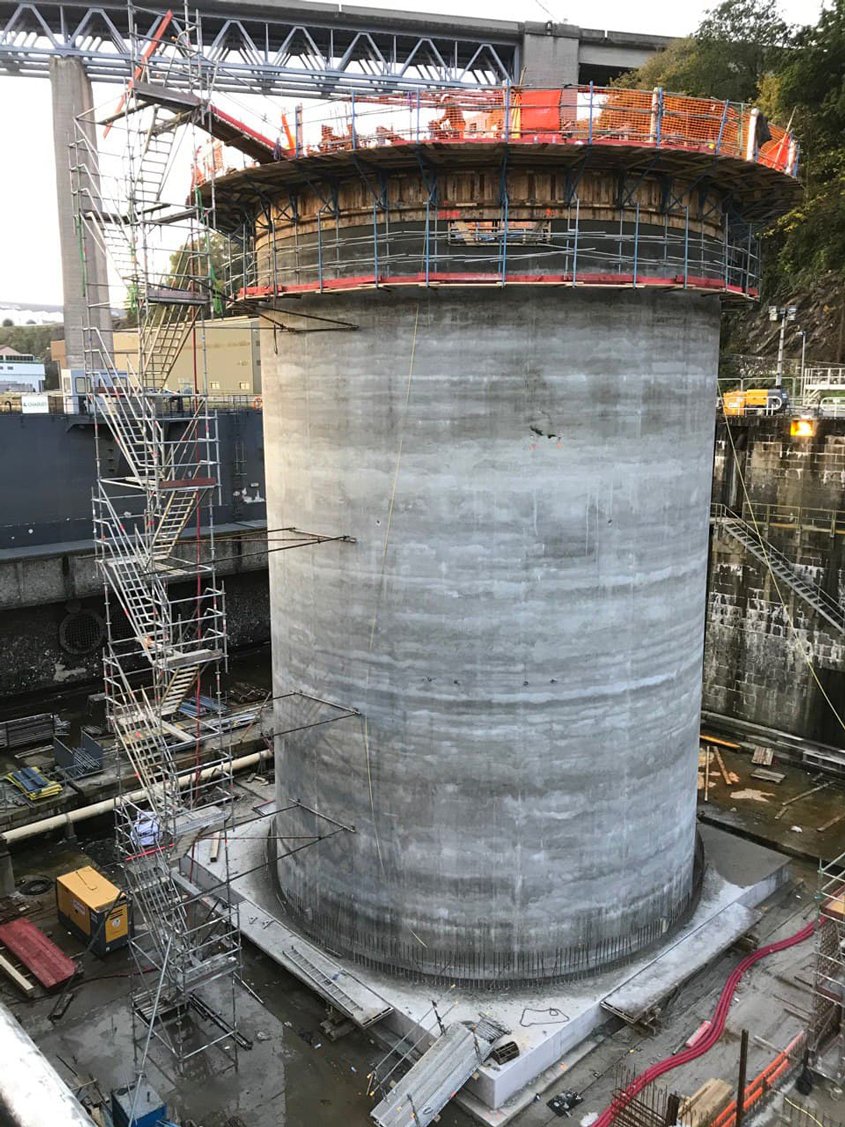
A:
(325, 52)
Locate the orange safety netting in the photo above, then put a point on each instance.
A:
(576, 114)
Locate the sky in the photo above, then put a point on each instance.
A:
(30, 266)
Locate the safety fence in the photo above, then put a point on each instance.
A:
(630, 249)
(579, 115)
(787, 517)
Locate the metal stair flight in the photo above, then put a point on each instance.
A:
(747, 535)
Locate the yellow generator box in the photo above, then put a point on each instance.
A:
(94, 909)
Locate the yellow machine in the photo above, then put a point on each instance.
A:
(94, 909)
(754, 401)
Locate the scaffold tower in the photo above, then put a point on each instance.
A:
(827, 1032)
(158, 476)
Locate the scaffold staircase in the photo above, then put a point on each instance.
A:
(780, 565)
(153, 526)
(167, 307)
(827, 1022)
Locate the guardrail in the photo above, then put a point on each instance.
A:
(592, 115)
(167, 405)
(797, 517)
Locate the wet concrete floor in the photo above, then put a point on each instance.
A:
(293, 1076)
(802, 816)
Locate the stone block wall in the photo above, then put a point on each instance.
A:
(769, 657)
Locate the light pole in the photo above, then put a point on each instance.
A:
(782, 313)
(803, 356)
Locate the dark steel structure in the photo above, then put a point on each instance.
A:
(297, 49)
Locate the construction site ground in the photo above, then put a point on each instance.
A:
(789, 816)
(294, 1076)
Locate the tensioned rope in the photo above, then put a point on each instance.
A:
(805, 652)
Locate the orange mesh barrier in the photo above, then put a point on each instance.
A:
(625, 115)
(576, 114)
(778, 153)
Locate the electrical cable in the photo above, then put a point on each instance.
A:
(717, 1026)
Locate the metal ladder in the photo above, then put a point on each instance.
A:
(747, 535)
(443, 1069)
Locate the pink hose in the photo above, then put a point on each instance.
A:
(712, 1035)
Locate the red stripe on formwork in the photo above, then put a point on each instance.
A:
(241, 127)
(364, 281)
(39, 955)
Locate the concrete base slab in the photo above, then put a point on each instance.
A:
(641, 995)
(551, 1025)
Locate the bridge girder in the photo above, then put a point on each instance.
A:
(262, 52)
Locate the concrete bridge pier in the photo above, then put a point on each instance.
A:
(550, 54)
(83, 260)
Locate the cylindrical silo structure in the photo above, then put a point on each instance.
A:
(501, 386)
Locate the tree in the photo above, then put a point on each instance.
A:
(200, 262)
(8, 322)
(736, 45)
(810, 95)
(739, 42)
(675, 69)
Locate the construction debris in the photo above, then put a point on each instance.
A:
(706, 1101)
(768, 776)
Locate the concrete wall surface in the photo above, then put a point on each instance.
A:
(520, 621)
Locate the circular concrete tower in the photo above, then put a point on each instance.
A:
(502, 386)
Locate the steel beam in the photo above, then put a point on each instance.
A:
(317, 55)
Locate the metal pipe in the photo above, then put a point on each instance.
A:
(740, 1086)
(70, 817)
(32, 1094)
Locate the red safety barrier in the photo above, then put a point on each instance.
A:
(761, 1083)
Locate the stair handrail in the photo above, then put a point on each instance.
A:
(726, 515)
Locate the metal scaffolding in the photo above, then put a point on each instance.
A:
(827, 1029)
(158, 476)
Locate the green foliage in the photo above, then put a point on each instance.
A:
(743, 50)
(675, 69)
(202, 262)
(739, 43)
(34, 340)
(736, 46)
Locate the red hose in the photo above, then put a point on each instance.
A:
(713, 1034)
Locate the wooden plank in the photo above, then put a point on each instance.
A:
(721, 743)
(832, 822)
(707, 1101)
(23, 984)
(798, 797)
(40, 955)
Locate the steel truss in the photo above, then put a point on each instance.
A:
(165, 610)
(281, 55)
